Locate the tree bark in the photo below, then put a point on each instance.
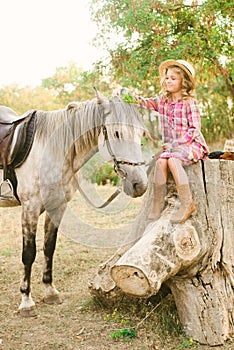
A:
(194, 259)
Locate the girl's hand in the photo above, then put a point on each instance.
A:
(120, 91)
(166, 146)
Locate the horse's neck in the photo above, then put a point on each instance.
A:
(80, 160)
(86, 129)
(61, 130)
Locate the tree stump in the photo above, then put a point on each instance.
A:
(194, 259)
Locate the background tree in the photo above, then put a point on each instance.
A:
(71, 83)
(150, 31)
(68, 83)
(22, 99)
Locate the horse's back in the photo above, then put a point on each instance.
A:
(7, 115)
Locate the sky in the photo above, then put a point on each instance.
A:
(39, 35)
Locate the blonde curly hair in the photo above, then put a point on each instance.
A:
(187, 87)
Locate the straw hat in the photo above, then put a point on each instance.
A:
(184, 65)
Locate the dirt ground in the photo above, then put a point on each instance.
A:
(81, 321)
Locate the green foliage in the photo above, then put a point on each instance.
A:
(116, 316)
(129, 98)
(156, 30)
(186, 344)
(71, 83)
(6, 252)
(22, 99)
(150, 31)
(217, 113)
(106, 174)
(68, 83)
(124, 333)
(157, 315)
(98, 172)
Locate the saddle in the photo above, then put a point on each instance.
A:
(16, 138)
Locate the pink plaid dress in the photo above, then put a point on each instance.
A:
(181, 128)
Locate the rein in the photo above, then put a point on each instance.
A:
(108, 201)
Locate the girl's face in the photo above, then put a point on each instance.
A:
(173, 81)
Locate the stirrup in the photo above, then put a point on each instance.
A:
(9, 184)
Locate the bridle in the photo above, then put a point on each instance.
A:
(119, 171)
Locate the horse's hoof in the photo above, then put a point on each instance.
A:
(52, 299)
(28, 312)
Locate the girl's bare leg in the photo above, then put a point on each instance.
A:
(160, 179)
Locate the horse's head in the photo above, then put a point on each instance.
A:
(120, 141)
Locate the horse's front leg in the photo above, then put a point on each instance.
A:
(29, 227)
(51, 293)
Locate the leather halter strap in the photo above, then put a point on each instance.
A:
(121, 172)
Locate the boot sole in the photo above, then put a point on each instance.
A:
(193, 213)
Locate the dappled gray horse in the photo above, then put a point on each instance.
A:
(64, 141)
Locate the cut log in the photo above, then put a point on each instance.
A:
(162, 252)
(194, 259)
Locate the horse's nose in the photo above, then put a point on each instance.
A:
(139, 189)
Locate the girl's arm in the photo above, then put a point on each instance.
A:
(148, 103)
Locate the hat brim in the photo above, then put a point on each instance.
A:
(164, 65)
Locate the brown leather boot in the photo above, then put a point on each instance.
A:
(187, 206)
(158, 201)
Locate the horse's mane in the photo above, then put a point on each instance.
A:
(82, 120)
(62, 127)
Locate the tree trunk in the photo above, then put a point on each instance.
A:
(194, 259)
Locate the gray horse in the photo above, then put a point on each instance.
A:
(46, 181)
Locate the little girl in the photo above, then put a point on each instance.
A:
(182, 141)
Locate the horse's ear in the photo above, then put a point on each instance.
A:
(72, 105)
(100, 98)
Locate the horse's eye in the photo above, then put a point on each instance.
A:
(117, 134)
